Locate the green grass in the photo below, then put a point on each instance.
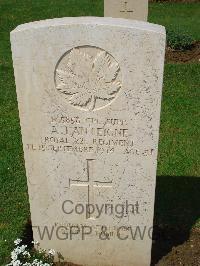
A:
(178, 150)
(180, 123)
(184, 17)
(178, 182)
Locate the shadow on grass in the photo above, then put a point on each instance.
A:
(177, 208)
(27, 235)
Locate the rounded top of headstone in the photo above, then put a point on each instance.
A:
(120, 22)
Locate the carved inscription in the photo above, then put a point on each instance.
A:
(88, 78)
(125, 8)
(89, 135)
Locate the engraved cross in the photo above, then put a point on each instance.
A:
(90, 183)
(126, 9)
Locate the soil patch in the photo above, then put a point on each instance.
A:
(186, 254)
(187, 56)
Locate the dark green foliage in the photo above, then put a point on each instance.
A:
(179, 40)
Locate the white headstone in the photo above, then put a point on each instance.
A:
(89, 94)
(130, 9)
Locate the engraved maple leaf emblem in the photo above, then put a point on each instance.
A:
(86, 79)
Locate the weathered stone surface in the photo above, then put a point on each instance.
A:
(130, 9)
(89, 94)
